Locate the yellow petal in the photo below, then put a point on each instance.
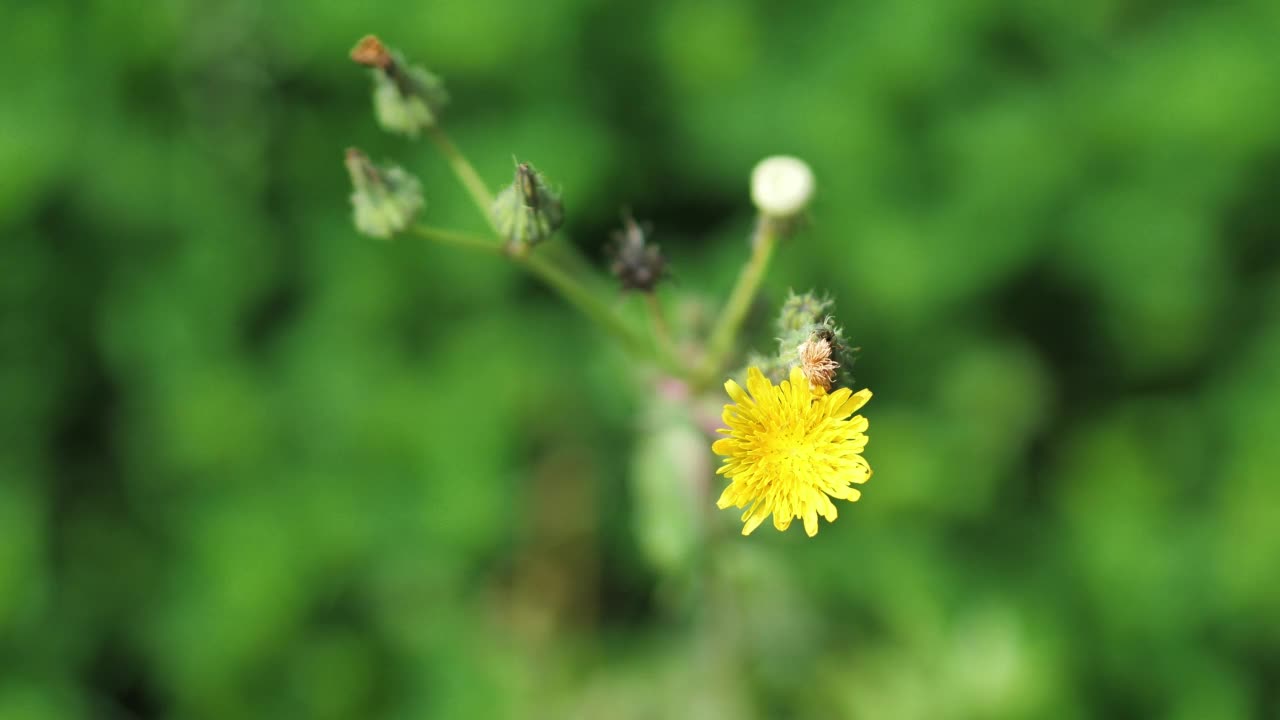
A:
(861, 470)
(756, 518)
(799, 394)
(723, 446)
(726, 498)
(736, 392)
(851, 405)
(836, 399)
(811, 522)
(827, 508)
(798, 380)
(757, 384)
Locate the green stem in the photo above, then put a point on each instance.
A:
(579, 297)
(735, 310)
(591, 306)
(466, 173)
(573, 291)
(564, 284)
(562, 250)
(456, 239)
(661, 332)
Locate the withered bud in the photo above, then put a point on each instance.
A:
(406, 98)
(371, 53)
(816, 361)
(638, 265)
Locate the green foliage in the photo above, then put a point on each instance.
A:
(255, 465)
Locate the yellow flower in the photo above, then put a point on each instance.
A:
(789, 448)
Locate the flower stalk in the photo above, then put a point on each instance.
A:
(658, 321)
(725, 332)
(465, 172)
(455, 238)
(564, 284)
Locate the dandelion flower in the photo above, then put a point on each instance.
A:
(791, 449)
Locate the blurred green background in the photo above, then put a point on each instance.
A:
(255, 465)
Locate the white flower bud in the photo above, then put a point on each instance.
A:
(781, 186)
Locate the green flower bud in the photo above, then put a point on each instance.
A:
(800, 311)
(526, 212)
(385, 199)
(638, 265)
(808, 338)
(406, 98)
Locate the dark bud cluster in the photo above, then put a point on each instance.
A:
(638, 264)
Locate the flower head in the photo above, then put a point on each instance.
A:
(790, 449)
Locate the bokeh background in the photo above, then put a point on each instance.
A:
(255, 465)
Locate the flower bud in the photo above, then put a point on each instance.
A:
(809, 339)
(800, 311)
(638, 265)
(406, 98)
(526, 212)
(385, 199)
(781, 187)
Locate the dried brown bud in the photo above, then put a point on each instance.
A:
(816, 362)
(370, 52)
(639, 265)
